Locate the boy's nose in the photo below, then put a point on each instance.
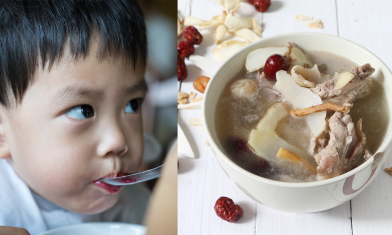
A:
(113, 142)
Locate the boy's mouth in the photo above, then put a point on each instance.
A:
(107, 187)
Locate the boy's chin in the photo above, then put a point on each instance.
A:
(95, 207)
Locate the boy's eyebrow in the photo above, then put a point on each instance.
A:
(141, 85)
(77, 91)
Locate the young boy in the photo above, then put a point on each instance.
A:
(71, 90)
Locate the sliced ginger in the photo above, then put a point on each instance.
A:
(319, 108)
(290, 156)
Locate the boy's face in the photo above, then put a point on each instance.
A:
(77, 123)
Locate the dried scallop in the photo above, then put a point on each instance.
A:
(243, 88)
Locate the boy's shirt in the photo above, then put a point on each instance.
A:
(20, 207)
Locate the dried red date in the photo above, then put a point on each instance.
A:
(227, 210)
(250, 1)
(274, 64)
(182, 72)
(186, 48)
(262, 5)
(192, 35)
(236, 145)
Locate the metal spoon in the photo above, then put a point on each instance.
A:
(135, 177)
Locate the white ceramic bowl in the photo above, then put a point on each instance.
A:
(299, 197)
(101, 228)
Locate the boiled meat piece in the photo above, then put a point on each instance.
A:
(357, 88)
(361, 72)
(330, 160)
(357, 150)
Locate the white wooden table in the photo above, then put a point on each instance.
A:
(202, 181)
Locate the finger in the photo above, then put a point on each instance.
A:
(6, 230)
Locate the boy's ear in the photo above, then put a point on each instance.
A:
(4, 147)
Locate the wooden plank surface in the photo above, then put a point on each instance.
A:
(368, 23)
(201, 181)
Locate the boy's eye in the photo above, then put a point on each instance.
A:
(81, 112)
(133, 106)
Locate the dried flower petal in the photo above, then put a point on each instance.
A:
(193, 21)
(247, 34)
(230, 4)
(227, 48)
(220, 33)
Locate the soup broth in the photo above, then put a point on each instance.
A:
(236, 117)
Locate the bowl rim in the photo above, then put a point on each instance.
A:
(217, 150)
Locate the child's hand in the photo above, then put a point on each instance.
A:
(5, 230)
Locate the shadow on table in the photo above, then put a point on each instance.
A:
(192, 142)
(249, 212)
(185, 164)
(275, 6)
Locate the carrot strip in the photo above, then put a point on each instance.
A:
(319, 108)
(285, 154)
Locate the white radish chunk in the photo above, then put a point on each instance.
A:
(301, 97)
(266, 143)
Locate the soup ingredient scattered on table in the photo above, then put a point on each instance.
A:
(227, 210)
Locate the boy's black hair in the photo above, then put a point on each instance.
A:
(38, 31)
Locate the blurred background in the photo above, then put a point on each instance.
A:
(160, 108)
